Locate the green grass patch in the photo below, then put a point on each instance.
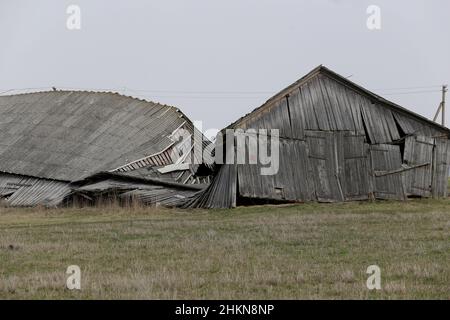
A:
(303, 251)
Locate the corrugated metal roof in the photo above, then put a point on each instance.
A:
(158, 195)
(147, 191)
(27, 191)
(69, 135)
(127, 178)
(24, 191)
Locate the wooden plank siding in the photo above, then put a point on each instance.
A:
(418, 152)
(441, 166)
(324, 166)
(386, 161)
(291, 183)
(276, 117)
(298, 115)
(344, 116)
(412, 126)
(221, 193)
(379, 122)
(328, 167)
(323, 104)
(340, 142)
(356, 168)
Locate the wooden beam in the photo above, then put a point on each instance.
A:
(386, 173)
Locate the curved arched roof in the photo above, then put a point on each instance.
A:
(69, 135)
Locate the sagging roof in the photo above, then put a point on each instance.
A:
(127, 188)
(101, 177)
(70, 135)
(24, 191)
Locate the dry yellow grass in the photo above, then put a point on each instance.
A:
(295, 252)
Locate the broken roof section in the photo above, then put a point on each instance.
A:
(68, 136)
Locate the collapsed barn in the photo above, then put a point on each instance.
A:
(337, 142)
(62, 147)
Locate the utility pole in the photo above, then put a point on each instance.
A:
(444, 90)
(441, 108)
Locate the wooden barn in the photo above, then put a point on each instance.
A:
(337, 142)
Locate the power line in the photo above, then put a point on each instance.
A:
(200, 92)
(408, 88)
(410, 92)
(213, 94)
(252, 92)
(205, 97)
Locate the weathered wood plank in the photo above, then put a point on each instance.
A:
(380, 123)
(290, 183)
(318, 105)
(441, 166)
(355, 174)
(418, 154)
(340, 106)
(323, 162)
(297, 112)
(386, 157)
(275, 117)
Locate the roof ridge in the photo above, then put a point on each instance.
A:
(91, 91)
(321, 69)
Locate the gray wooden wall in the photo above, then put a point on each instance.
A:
(338, 144)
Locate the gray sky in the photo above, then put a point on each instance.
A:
(219, 59)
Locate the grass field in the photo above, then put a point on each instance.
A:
(304, 251)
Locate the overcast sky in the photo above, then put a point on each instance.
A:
(219, 59)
